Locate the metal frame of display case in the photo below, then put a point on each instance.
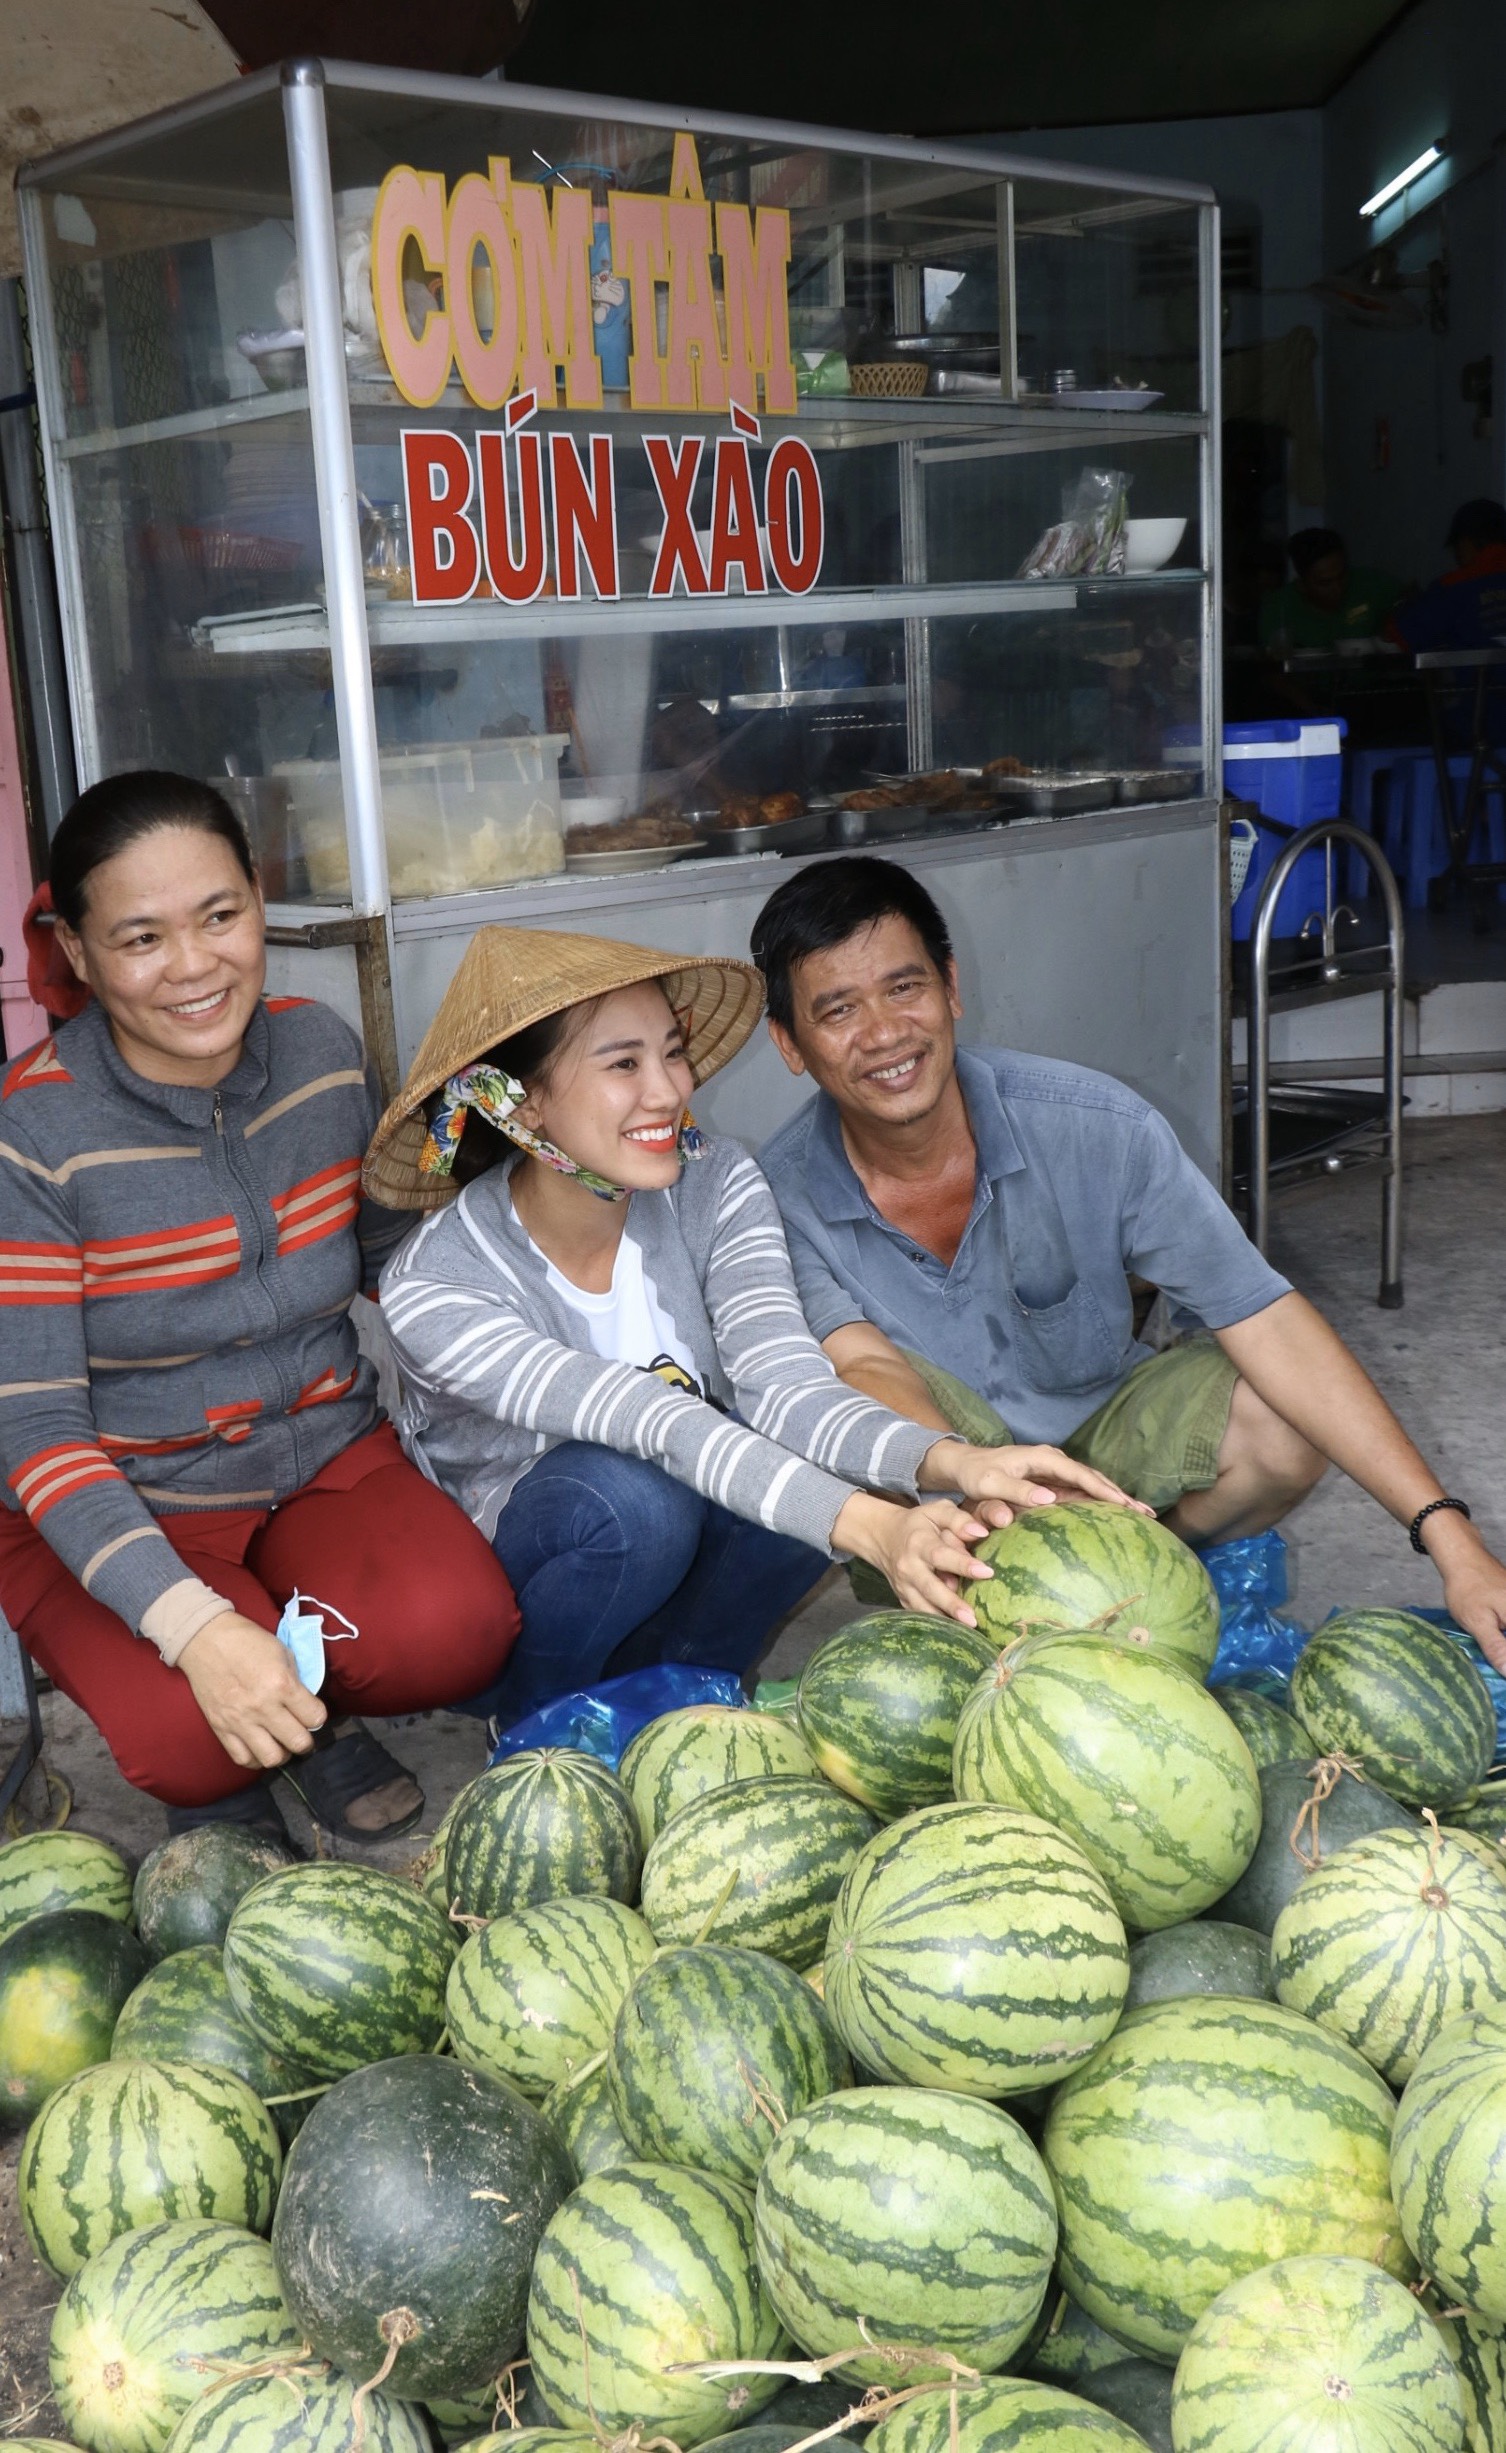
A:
(928, 430)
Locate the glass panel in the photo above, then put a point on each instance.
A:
(1107, 294)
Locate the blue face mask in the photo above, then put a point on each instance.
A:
(301, 1628)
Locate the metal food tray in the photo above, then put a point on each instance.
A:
(959, 817)
(854, 826)
(1045, 795)
(804, 834)
(1155, 784)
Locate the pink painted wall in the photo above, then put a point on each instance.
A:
(23, 1022)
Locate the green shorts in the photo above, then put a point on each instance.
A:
(1157, 1436)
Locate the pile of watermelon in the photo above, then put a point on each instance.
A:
(1020, 2048)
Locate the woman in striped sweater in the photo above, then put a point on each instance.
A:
(188, 1432)
(602, 1352)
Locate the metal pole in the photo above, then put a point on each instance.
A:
(1393, 984)
(335, 477)
(41, 640)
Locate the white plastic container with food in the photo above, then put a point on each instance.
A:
(459, 816)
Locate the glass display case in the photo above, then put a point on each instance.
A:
(518, 502)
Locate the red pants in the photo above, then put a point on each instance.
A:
(368, 1535)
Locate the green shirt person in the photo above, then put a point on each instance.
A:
(1328, 600)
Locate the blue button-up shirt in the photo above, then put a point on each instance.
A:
(1080, 1185)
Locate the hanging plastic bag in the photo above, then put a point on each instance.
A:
(1089, 538)
(301, 1630)
(1258, 1642)
(599, 1720)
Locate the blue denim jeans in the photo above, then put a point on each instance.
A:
(616, 1565)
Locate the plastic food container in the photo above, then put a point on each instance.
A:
(460, 817)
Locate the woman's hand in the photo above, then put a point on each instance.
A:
(245, 1685)
(923, 1552)
(998, 1482)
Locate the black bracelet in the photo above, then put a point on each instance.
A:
(1422, 1515)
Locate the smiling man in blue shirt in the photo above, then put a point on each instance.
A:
(985, 1213)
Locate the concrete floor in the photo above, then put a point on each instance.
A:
(1437, 1360)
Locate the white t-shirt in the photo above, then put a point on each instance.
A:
(628, 1324)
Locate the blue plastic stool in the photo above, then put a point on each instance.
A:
(1369, 780)
(1415, 839)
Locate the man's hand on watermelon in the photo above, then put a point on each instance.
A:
(999, 1482)
(1300, 1392)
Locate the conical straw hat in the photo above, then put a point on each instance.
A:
(511, 977)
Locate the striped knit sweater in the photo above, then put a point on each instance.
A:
(495, 1369)
(176, 1271)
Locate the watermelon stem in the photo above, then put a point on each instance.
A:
(725, 1893)
(765, 2101)
(300, 2096)
(1324, 1778)
(398, 2327)
(875, 2404)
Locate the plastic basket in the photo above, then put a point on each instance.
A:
(1244, 834)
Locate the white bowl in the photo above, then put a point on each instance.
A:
(591, 808)
(1150, 544)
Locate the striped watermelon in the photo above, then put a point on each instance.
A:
(182, 2011)
(757, 1864)
(1089, 1564)
(879, 1705)
(898, 2215)
(974, 1948)
(1129, 1757)
(1309, 1810)
(312, 2409)
(1484, 1815)
(581, 2110)
(63, 1980)
(1201, 1958)
(1003, 2414)
(1204, 2138)
(1348, 2335)
(647, 2268)
(152, 2323)
(548, 1824)
(38, 2444)
(1271, 1734)
(534, 1995)
(682, 1754)
(335, 1965)
(1400, 1697)
(1478, 2350)
(427, 1869)
(1448, 2164)
(712, 2052)
(414, 2198)
(1389, 1940)
(1069, 2345)
(130, 2143)
(529, 2440)
(45, 1871)
(188, 1887)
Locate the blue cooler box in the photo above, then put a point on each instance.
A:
(1294, 772)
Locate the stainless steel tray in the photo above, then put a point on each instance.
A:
(1054, 796)
(1155, 784)
(852, 826)
(791, 835)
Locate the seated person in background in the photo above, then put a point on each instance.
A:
(1467, 606)
(1328, 600)
(601, 1348)
(983, 1212)
(187, 1428)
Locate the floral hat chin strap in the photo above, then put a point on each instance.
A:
(496, 1096)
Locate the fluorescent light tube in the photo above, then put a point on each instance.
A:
(1403, 178)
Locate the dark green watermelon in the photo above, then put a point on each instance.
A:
(808, 2408)
(1203, 1957)
(1485, 1813)
(1354, 1808)
(1138, 2391)
(762, 2436)
(187, 1889)
(412, 2203)
(63, 1980)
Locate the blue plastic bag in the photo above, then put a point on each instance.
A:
(1258, 1644)
(599, 1720)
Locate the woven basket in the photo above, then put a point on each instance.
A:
(890, 379)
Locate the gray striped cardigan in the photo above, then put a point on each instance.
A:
(495, 1370)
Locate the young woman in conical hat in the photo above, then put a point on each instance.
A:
(602, 1351)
